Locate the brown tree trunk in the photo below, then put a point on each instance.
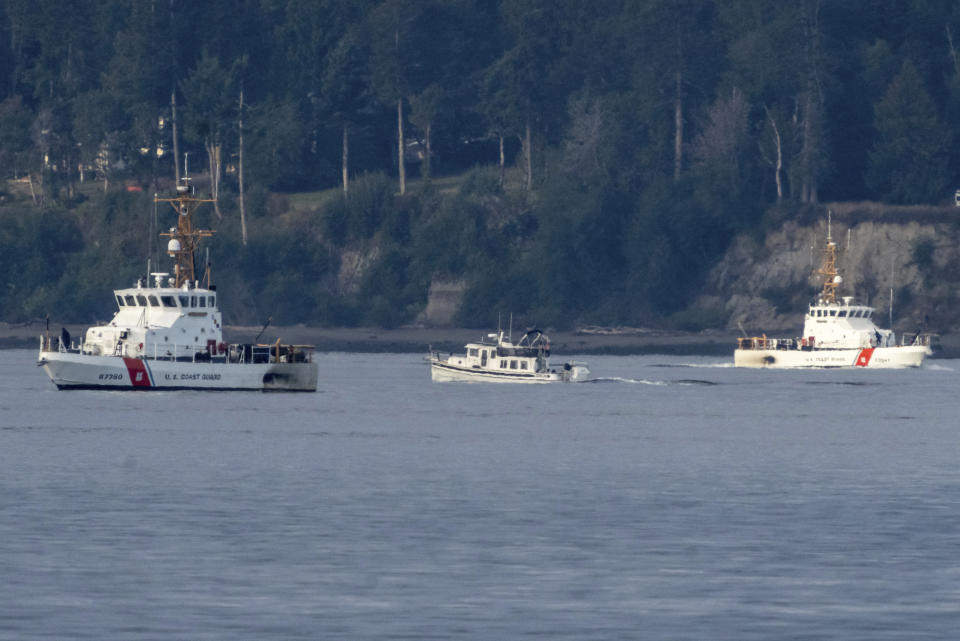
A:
(344, 158)
(528, 156)
(810, 153)
(778, 163)
(243, 213)
(176, 144)
(678, 125)
(213, 156)
(426, 158)
(503, 162)
(402, 167)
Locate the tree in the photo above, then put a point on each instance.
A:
(390, 36)
(345, 90)
(209, 91)
(909, 159)
(777, 59)
(720, 147)
(15, 142)
(674, 35)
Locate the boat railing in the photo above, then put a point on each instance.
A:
(919, 340)
(55, 344)
(756, 342)
(236, 353)
(762, 342)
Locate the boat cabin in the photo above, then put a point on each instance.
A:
(502, 356)
(843, 325)
(160, 322)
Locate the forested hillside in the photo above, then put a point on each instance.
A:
(567, 161)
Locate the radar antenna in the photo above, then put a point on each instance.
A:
(184, 239)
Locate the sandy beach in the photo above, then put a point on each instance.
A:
(422, 339)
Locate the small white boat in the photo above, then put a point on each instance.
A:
(836, 333)
(169, 335)
(497, 359)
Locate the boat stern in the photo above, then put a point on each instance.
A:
(291, 377)
(574, 372)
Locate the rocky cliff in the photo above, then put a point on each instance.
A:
(764, 284)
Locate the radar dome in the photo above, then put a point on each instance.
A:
(173, 246)
(837, 279)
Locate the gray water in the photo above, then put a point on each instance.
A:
(671, 498)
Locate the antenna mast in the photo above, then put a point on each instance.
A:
(184, 239)
(828, 269)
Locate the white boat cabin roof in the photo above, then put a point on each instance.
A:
(163, 306)
(166, 297)
(847, 309)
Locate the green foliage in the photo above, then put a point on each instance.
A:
(481, 181)
(359, 214)
(36, 248)
(908, 164)
(627, 211)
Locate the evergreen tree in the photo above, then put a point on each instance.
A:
(908, 162)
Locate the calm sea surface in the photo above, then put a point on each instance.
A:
(670, 498)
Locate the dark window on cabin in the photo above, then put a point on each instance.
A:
(833, 312)
(203, 301)
(142, 301)
(168, 301)
(153, 301)
(212, 302)
(523, 364)
(184, 301)
(193, 301)
(473, 352)
(119, 300)
(130, 301)
(513, 364)
(842, 313)
(503, 364)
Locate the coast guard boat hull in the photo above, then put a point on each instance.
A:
(869, 357)
(80, 371)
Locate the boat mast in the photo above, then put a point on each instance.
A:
(831, 279)
(184, 239)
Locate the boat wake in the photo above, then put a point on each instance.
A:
(696, 365)
(621, 379)
(643, 381)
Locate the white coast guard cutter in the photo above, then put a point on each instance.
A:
(169, 335)
(836, 333)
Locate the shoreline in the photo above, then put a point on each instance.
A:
(421, 339)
